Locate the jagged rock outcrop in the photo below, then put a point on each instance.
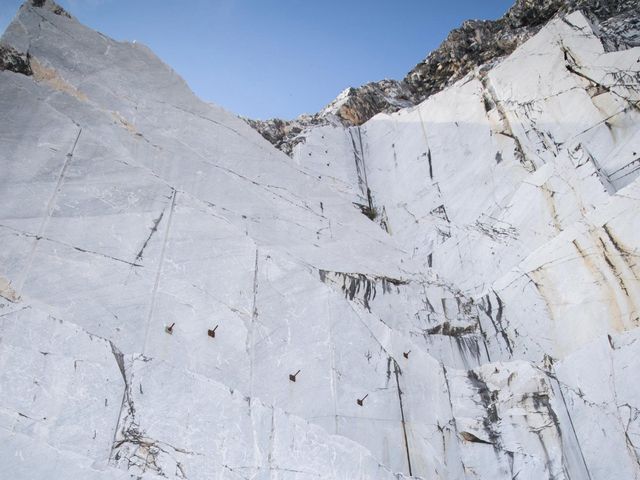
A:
(353, 106)
(283, 134)
(51, 6)
(450, 291)
(478, 42)
(475, 43)
(14, 61)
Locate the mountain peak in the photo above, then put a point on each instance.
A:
(49, 5)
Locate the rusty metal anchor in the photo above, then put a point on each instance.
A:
(212, 333)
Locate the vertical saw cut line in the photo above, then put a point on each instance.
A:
(48, 212)
(156, 282)
(396, 369)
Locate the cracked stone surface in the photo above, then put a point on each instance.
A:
(449, 291)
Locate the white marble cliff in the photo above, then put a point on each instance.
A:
(450, 291)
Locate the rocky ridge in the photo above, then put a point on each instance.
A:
(473, 44)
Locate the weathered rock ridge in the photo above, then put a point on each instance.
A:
(475, 43)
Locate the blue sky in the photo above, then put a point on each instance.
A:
(279, 58)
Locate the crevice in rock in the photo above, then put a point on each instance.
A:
(154, 229)
(556, 387)
(491, 101)
(496, 321)
(360, 286)
(488, 402)
(397, 372)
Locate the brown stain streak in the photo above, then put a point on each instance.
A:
(548, 196)
(596, 272)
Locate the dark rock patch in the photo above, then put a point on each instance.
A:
(54, 7)
(14, 61)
